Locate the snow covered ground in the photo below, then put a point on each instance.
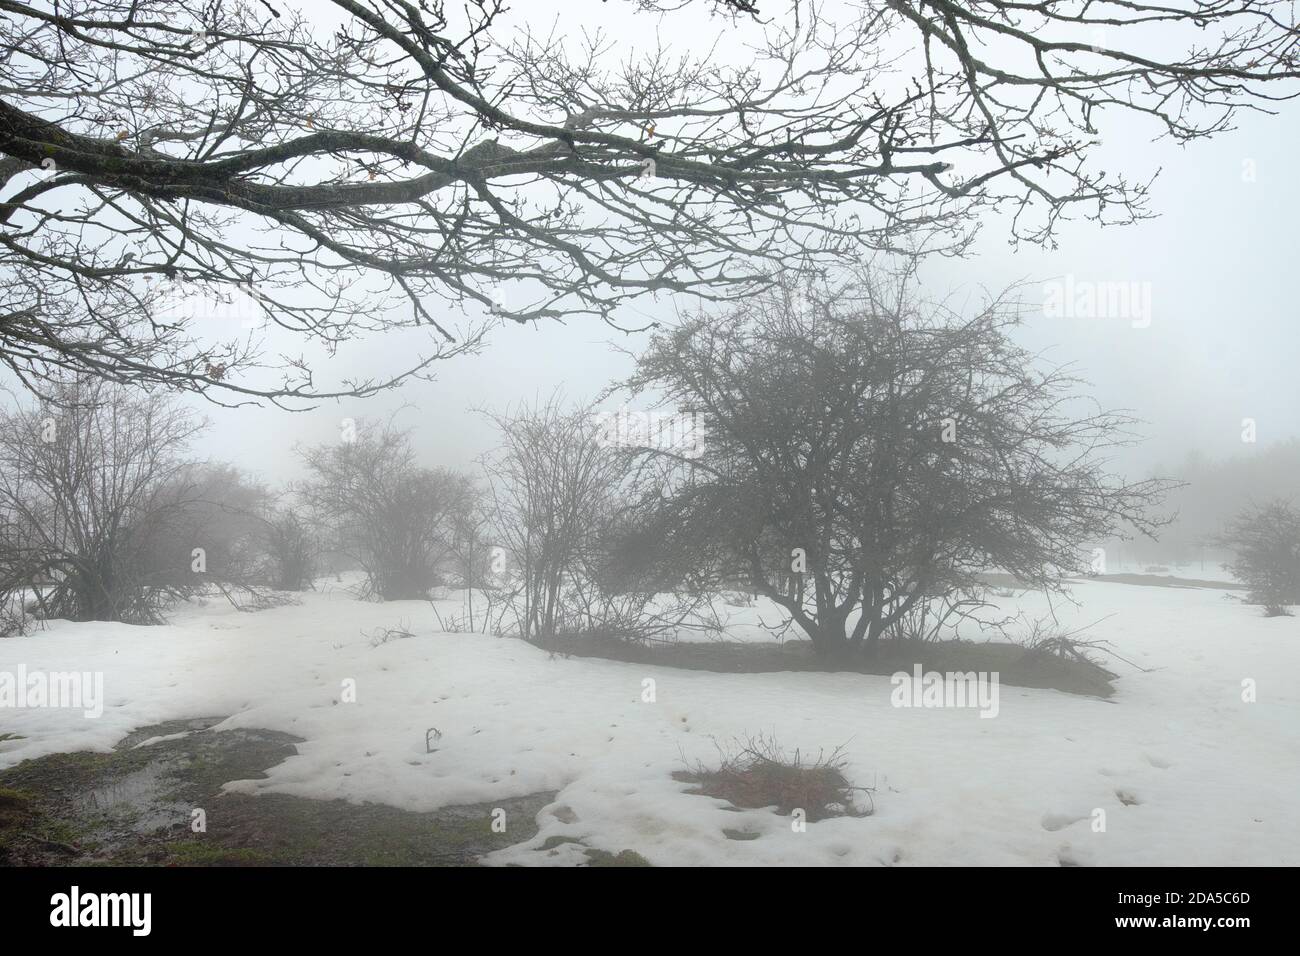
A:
(1206, 777)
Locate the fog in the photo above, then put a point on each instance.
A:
(1221, 344)
(964, 541)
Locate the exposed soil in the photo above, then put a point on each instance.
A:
(998, 579)
(1167, 581)
(134, 806)
(1015, 664)
(760, 778)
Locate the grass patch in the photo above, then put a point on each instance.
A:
(15, 814)
(11, 798)
(596, 857)
(1016, 664)
(758, 773)
(27, 831)
(196, 853)
(132, 806)
(622, 858)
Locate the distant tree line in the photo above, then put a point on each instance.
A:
(859, 457)
(106, 515)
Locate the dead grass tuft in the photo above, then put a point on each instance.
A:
(757, 773)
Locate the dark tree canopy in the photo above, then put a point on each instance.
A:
(101, 509)
(423, 157)
(380, 507)
(863, 455)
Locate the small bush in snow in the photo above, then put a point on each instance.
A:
(738, 599)
(291, 551)
(383, 635)
(759, 773)
(104, 517)
(385, 511)
(1266, 542)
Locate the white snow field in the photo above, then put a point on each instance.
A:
(1216, 779)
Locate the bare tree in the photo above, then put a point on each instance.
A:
(292, 550)
(223, 510)
(863, 456)
(578, 553)
(1213, 492)
(427, 154)
(95, 506)
(383, 509)
(548, 485)
(1266, 542)
(472, 542)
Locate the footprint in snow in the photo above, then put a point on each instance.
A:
(1059, 821)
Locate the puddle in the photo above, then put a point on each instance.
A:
(135, 800)
(170, 729)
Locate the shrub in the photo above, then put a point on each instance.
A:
(291, 551)
(94, 500)
(1265, 540)
(758, 773)
(384, 510)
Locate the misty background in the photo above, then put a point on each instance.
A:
(1217, 258)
